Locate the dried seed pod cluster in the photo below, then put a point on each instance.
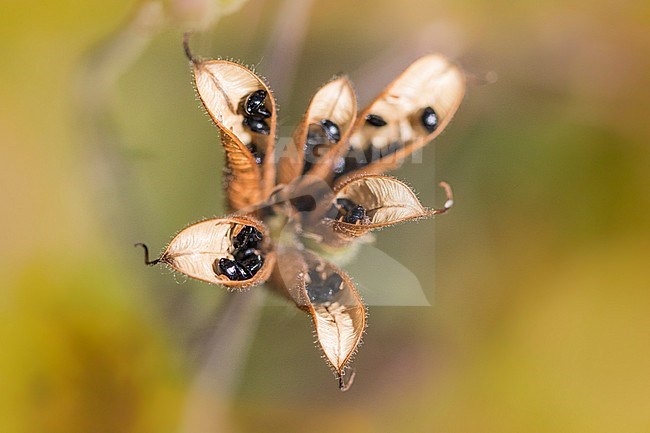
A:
(328, 186)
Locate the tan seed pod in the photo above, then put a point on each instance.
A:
(328, 295)
(198, 248)
(335, 102)
(385, 201)
(248, 137)
(407, 115)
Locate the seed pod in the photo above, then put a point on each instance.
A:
(376, 201)
(217, 251)
(330, 298)
(222, 86)
(335, 103)
(408, 114)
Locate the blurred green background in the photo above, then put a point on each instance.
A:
(540, 318)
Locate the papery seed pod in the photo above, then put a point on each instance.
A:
(217, 251)
(334, 103)
(376, 201)
(408, 114)
(223, 87)
(330, 298)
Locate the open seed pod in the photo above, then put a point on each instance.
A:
(327, 122)
(375, 201)
(243, 108)
(409, 113)
(234, 252)
(330, 298)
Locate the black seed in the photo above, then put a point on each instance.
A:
(257, 125)
(304, 203)
(253, 264)
(253, 149)
(226, 267)
(250, 259)
(242, 273)
(344, 208)
(232, 270)
(429, 119)
(345, 204)
(243, 254)
(320, 291)
(248, 237)
(254, 105)
(331, 130)
(319, 294)
(315, 138)
(375, 120)
(334, 282)
(356, 214)
(319, 134)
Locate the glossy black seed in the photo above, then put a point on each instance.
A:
(304, 203)
(253, 264)
(253, 149)
(320, 291)
(254, 105)
(334, 282)
(356, 214)
(248, 237)
(257, 125)
(251, 260)
(375, 120)
(429, 119)
(231, 269)
(331, 130)
(344, 208)
(245, 253)
(242, 272)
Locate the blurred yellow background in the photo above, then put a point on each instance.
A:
(540, 299)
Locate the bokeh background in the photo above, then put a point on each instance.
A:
(539, 278)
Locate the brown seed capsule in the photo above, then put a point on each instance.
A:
(215, 251)
(335, 102)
